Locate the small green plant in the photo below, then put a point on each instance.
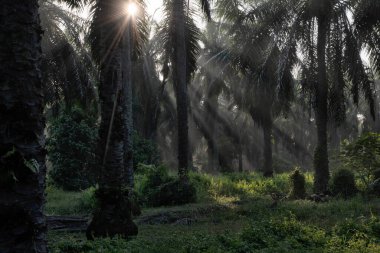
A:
(362, 156)
(343, 183)
(297, 181)
(71, 148)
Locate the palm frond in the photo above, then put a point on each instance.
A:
(205, 7)
(68, 70)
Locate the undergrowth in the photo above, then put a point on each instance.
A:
(234, 213)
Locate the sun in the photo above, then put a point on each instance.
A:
(131, 8)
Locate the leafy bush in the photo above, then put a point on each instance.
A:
(354, 236)
(156, 187)
(287, 234)
(297, 180)
(71, 144)
(284, 234)
(343, 183)
(363, 156)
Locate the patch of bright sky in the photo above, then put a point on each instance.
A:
(154, 9)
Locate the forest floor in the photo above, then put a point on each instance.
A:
(231, 222)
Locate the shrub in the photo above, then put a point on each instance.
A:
(157, 187)
(277, 235)
(343, 183)
(71, 148)
(363, 156)
(175, 193)
(297, 180)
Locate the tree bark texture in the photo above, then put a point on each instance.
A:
(114, 213)
(22, 153)
(180, 83)
(321, 162)
(127, 104)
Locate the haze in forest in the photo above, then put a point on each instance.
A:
(193, 126)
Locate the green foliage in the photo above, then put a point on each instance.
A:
(354, 236)
(156, 187)
(71, 148)
(287, 234)
(234, 215)
(297, 180)
(144, 151)
(61, 202)
(242, 185)
(148, 180)
(284, 234)
(363, 156)
(106, 245)
(343, 183)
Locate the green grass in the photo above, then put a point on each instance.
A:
(241, 185)
(60, 202)
(233, 214)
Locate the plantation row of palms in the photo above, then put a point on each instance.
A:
(268, 41)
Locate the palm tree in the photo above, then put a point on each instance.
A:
(367, 24)
(252, 55)
(264, 96)
(114, 36)
(22, 153)
(180, 43)
(331, 55)
(68, 72)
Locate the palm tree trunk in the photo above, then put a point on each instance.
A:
(111, 125)
(127, 105)
(321, 162)
(179, 77)
(22, 153)
(114, 213)
(268, 161)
